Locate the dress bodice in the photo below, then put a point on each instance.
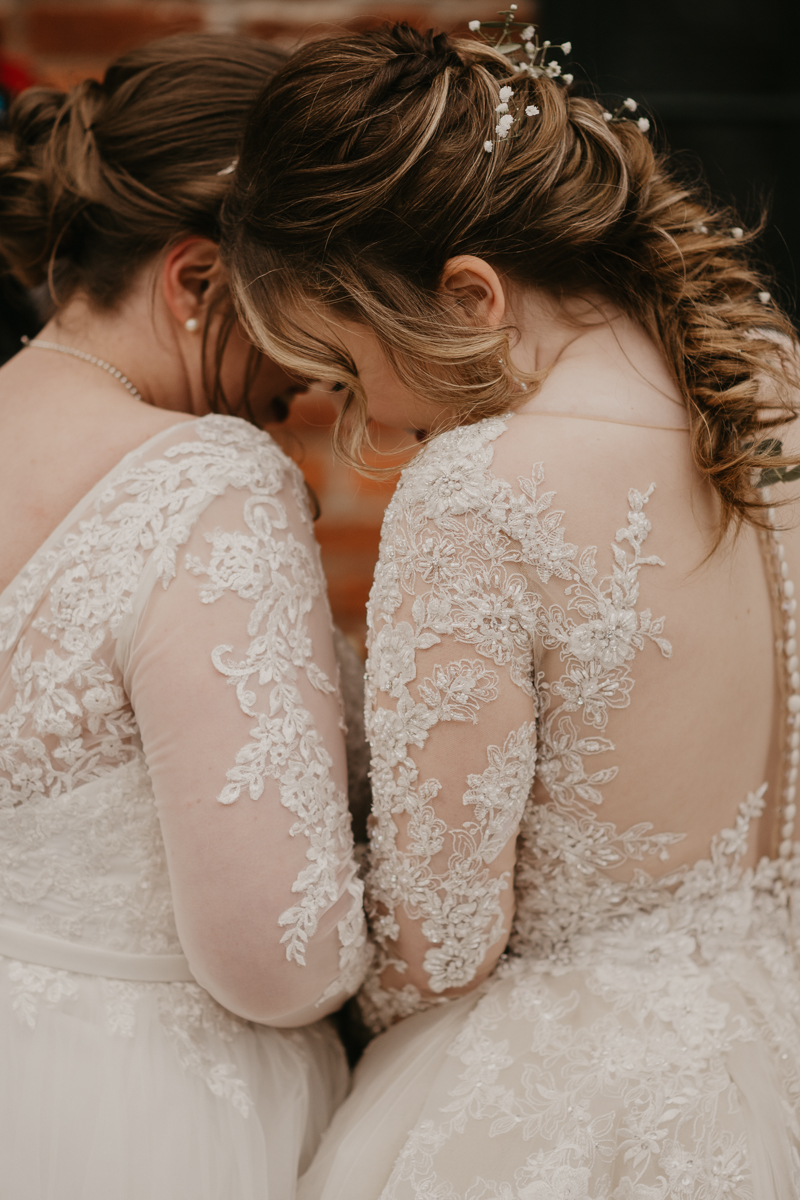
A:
(170, 646)
(507, 741)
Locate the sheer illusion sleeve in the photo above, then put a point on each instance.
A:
(451, 722)
(232, 676)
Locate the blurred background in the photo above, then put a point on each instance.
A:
(719, 79)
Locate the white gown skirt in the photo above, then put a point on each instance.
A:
(126, 1091)
(647, 1077)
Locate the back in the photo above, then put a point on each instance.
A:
(569, 686)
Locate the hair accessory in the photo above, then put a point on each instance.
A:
(627, 106)
(90, 358)
(532, 61)
(231, 167)
(191, 324)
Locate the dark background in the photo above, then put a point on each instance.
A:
(721, 81)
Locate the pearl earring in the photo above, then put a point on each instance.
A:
(191, 325)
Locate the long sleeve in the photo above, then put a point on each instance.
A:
(233, 681)
(451, 722)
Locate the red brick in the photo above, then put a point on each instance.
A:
(348, 538)
(64, 78)
(89, 30)
(349, 597)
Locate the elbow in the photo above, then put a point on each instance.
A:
(281, 994)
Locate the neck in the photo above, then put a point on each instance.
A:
(138, 337)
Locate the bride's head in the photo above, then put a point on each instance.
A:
(382, 233)
(110, 198)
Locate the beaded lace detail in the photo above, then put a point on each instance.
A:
(594, 1062)
(81, 853)
(462, 554)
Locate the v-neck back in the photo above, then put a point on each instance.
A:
(85, 503)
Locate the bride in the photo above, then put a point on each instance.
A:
(585, 743)
(176, 867)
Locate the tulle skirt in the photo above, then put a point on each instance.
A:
(121, 1091)
(650, 1075)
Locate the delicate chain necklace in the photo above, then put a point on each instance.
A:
(90, 358)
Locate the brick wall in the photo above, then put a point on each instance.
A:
(61, 42)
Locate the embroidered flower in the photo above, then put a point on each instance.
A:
(606, 640)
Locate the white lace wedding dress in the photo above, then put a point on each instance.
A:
(168, 697)
(640, 1038)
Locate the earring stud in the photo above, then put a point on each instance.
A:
(191, 324)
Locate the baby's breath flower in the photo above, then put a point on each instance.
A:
(553, 69)
(567, 47)
(606, 116)
(506, 93)
(474, 26)
(700, 228)
(488, 147)
(737, 233)
(764, 297)
(568, 79)
(630, 104)
(501, 108)
(503, 125)
(528, 33)
(643, 124)
(531, 111)
(530, 48)
(513, 7)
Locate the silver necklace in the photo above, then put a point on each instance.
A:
(90, 358)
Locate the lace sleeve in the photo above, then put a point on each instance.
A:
(451, 722)
(232, 677)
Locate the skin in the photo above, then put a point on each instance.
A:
(586, 346)
(64, 423)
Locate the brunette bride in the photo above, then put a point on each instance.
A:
(176, 868)
(572, 683)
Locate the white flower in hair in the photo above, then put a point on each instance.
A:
(630, 104)
(504, 124)
(764, 297)
(607, 116)
(488, 147)
(643, 124)
(568, 78)
(506, 93)
(567, 47)
(553, 69)
(501, 108)
(474, 26)
(528, 33)
(513, 7)
(531, 111)
(530, 48)
(737, 233)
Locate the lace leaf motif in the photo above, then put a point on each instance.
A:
(466, 547)
(282, 579)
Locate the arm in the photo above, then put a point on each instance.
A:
(231, 674)
(451, 722)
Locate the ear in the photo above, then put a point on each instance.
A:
(475, 286)
(190, 271)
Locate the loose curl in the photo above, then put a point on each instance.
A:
(363, 171)
(96, 182)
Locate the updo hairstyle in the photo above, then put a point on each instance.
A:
(95, 183)
(363, 170)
